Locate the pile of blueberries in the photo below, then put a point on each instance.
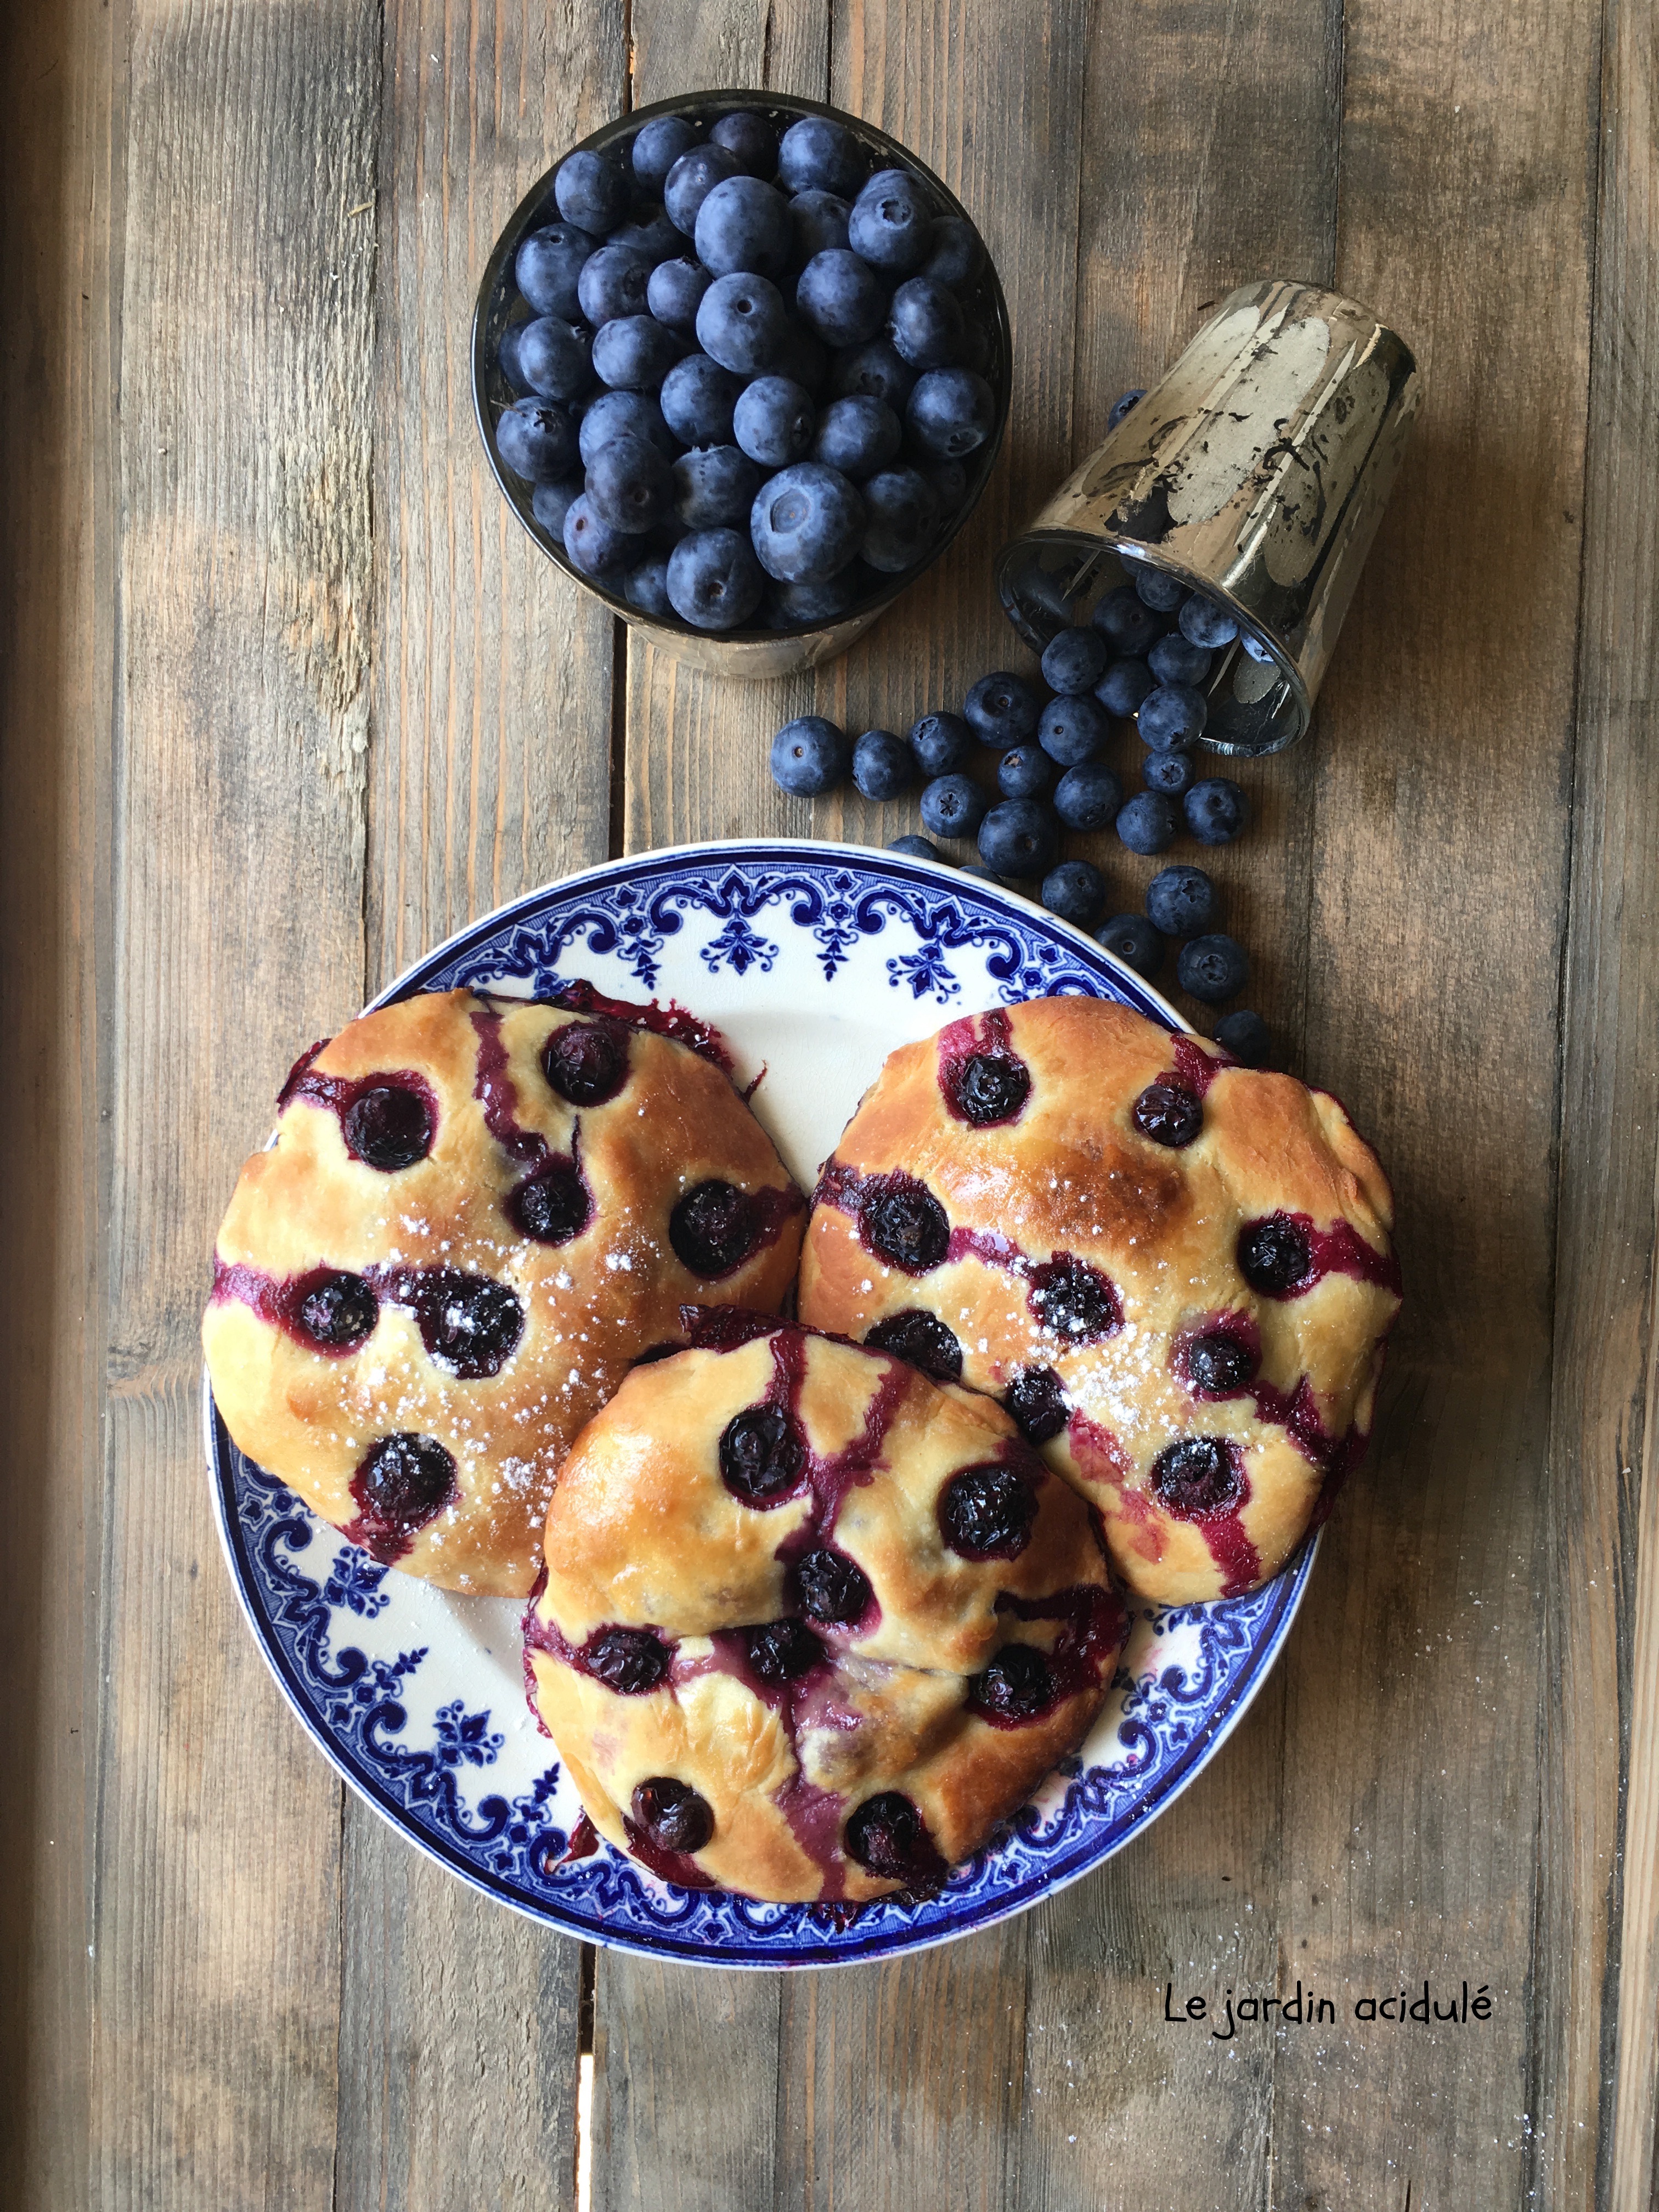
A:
(1143, 655)
(753, 371)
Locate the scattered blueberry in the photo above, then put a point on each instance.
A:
(884, 766)
(941, 743)
(715, 582)
(901, 519)
(632, 353)
(1120, 407)
(536, 440)
(555, 358)
(1024, 772)
(697, 400)
(925, 324)
(657, 146)
(742, 226)
(1148, 823)
(750, 140)
(818, 154)
(950, 412)
(1206, 624)
(1177, 660)
(1246, 1035)
(1072, 729)
(858, 435)
(916, 849)
(807, 521)
(714, 488)
(1132, 939)
(1158, 589)
(839, 298)
(1180, 901)
(892, 223)
(1002, 709)
(1075, 661)
(1170, 715)
(1123, 687)
(689, 182)
(596, 548)
(629, 484)
(742, 323)
(774, 420)
(613, 282)
(1075, 891)
(1212, 969)
(1217, 811)
(547, 266)
(876, 371)
(1128, 627)
(809, 756)
(953, 806)
(1169, 773)
(1088, 797)
(1018, 838)
(592, 192)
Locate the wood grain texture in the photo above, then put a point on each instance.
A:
(1599, 1947)
(238, 892)
(490, 773)
(60, 248)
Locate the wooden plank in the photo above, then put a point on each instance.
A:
(237, 878)
(60, 91)
(1598, 1945)
(1438, 910)
(491, 768)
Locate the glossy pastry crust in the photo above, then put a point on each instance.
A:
(1177, 1271)
(680, 1644)
(442, 1249)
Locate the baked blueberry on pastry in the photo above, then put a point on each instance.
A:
(812, 1624)
(1174, 1272)
(476, 1215)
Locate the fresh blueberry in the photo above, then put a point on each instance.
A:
(1177, 660)
(805, 362)
(1019, 838)
(809, 756)
(1170, 715)
(674, 292)
(657, 146)
(819, 156)
(1217, 811)
(876, 371)
(1002, 710)
(624, 414)
(826, 599)
(629, 484)
(689, 182)
(882, 765)
(1170, 773)
(925, 324)
(1072, 729)
(697, 399)
(1076, 892)
(537, 440)
(714, 488)
(1246, 1035)
(818, 220)
(743, 227)
(951, 411)
(715, 582)
(506, 354)
(1024, 772)
(950, 483)
(742, 324)
(1127, 626)
(840, 299)
(955, 255)
(634, 353)
(902, 519)
(647, 588)
(1180, 901)
(1074, 662)
(613, 282)
(941, 744)
(595, 548)
(1123, 687)
(1132, 939)
(555, 358)
(774, 422)
(891, 224)
(1088, 797)
(547, 266)
(750, 140)
(953, 806)
(1157, 589)
(806, 521)
(986, 875)
(916, 848)
(1120, 407)
(649, 233)
(1206, 624)
(1257, 650)
(593, 191)
(857, 435)
(550, 503)
(1148, 823)
(1212, 969)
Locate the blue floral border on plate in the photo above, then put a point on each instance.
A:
(1173, 1718)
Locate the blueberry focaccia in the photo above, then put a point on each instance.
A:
(812, 1624)
(1174, 1272)
(475, 1214)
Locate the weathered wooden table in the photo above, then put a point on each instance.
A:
(287, 695)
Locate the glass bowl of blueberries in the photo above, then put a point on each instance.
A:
(741, 365)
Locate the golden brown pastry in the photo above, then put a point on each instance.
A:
(812, 1624)
(476, 1215)
(1175, 1272)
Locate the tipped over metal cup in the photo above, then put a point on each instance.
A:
(1256, 471)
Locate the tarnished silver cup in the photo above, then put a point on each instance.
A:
(1255, 470)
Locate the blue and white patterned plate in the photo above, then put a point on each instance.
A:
(816, 961)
